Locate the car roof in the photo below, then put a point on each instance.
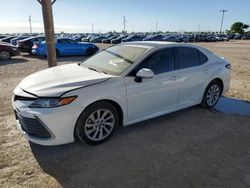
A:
(159, 44)
(152, 44)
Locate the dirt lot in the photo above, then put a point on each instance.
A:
(190, 148)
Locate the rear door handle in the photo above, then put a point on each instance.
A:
(173, 78)
(205, 70)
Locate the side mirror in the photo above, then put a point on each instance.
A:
(144, 74)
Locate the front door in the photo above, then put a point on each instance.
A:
(155, 94)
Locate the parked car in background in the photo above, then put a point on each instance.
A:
(86, 39)
(15, 40)
(119, 86)
(238, 36)
(118, 39)
(132, 38)
(3, 36)
(7, 50)
(66, 47)
(153, 38)
(246, 37)
(7, 39)
(97, 39)
(25, 45)
(78, 38)
(108, 40)
(172, 38)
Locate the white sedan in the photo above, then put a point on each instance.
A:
(119, 86)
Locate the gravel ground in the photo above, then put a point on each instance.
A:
(190, 148)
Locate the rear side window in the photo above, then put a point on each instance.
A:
(160, 62)
(187, 57)
(203, 58)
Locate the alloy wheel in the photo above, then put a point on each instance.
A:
(99, 124)
(213, 95)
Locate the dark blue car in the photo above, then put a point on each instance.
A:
(66, 47)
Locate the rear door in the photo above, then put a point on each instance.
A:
(193, 74)
(154, 94)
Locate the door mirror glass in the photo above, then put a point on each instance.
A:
(145, 73)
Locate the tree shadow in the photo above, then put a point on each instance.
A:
(233, 106)
(13, 60)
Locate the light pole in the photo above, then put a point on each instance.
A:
(222, 19)
(156, 27)
(30, 24)
(124, 24)
(198, 30)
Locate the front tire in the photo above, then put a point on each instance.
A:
(212, 94)
(97, 123)
(5, 55)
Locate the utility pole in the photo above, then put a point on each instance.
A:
(30, 24)
(49, 30)
(222, 20)
(124, 24)
(156, 27)
(198, 30)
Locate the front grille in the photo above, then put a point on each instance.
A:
(33, 127)
(21, 98)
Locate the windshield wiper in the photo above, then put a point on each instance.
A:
(90, 68)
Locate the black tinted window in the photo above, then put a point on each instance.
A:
(159, 62)
(187, 57)
(203, 58)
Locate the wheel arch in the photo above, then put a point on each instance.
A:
(218, 80)
(115, 104)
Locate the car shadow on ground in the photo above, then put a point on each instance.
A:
(188, 148)
(13, 60)
(82, 165)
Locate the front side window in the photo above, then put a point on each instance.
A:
(116, 59)
(160, 62)
(187, 57)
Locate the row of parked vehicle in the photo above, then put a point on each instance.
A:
(115, 38)
(82, 44)
(36, 45)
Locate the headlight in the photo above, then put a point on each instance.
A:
(52, 102)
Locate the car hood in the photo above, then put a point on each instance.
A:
(7, 44)
(58, 80)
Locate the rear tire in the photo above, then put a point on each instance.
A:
(97, 123)
(211, 95)
(90, 51)
(58, 53)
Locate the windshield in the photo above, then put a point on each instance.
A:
(114, 60)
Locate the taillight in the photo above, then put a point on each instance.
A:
(228, 66)
(35, 46)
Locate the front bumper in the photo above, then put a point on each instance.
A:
(46, 126)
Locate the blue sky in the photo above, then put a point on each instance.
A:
(141, 15)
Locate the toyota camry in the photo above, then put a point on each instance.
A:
(119, 86)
